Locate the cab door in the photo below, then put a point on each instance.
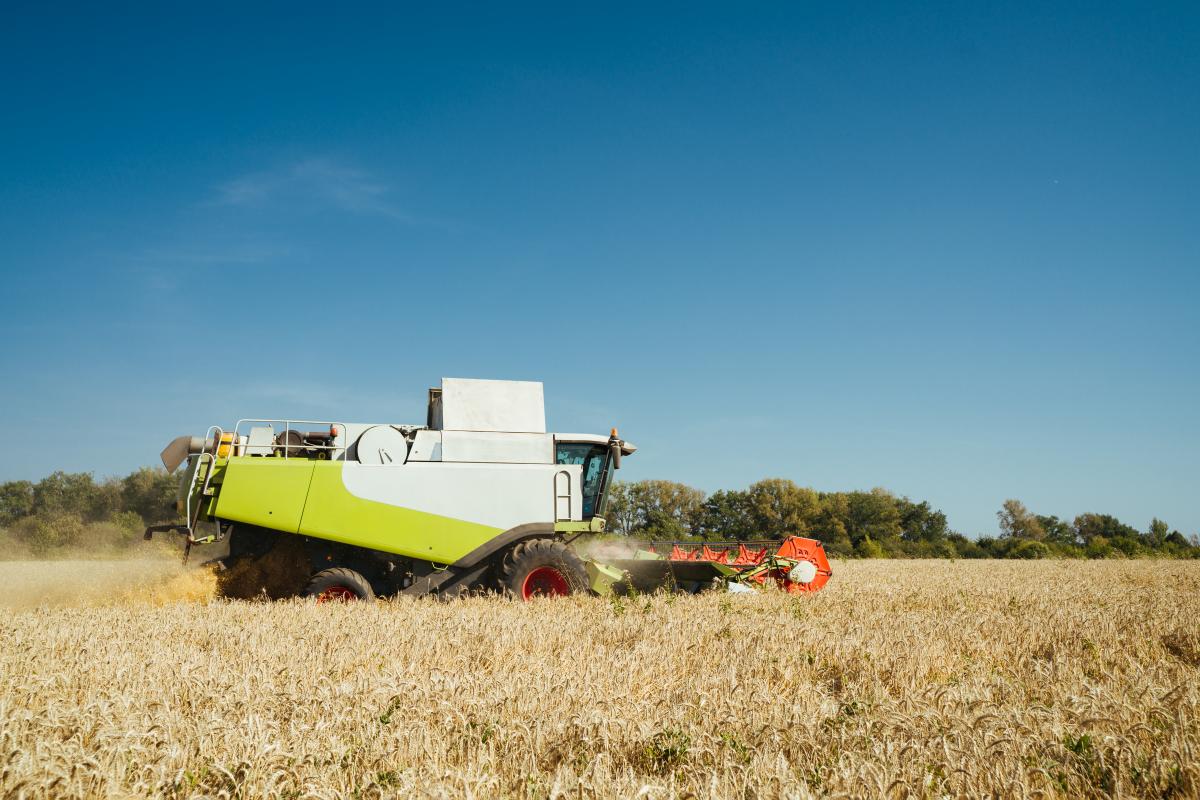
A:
(593, 458)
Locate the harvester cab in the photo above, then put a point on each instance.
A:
(479, 497)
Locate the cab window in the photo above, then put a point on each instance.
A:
(593, 458)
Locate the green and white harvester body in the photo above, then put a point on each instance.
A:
(479, 497)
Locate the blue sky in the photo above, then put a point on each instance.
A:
(951, 250)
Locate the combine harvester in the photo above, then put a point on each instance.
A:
(480, 497)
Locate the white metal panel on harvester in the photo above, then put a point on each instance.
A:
(470, 404)
(490, 447)
(427, 446)
(260, 441)
(498, 495)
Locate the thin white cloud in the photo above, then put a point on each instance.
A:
(233, 254)
(168, 267)
(319, 181)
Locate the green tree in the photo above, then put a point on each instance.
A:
(920, 522)
(966, 547)
(16, 501)
(68, 493)
(1017, 522)
(1089, 526)
(779, 508)
(621, 514)
(1129, 545)
(830, 525)
(1179, 540)
(1056, 530)
(1156, 535)
(664, 509)
(150, 493)
(873, 514)
(727, 516)
(107, 499)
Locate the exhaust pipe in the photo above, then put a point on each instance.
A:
(179, 449)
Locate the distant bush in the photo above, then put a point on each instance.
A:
(72, 514)
(1098, 547)
(869, 549)
(54, 530)
(1029, 549)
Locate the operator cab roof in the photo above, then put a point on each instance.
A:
(627, 448)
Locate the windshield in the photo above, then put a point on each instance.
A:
(593, 458)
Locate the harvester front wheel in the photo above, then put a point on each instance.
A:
(339, 585)
(542, 568)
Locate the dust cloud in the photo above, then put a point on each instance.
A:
(607, 550)
(281, 572)
(31, 584)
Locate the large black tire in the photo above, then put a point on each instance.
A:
(339, 584)
(541, 567)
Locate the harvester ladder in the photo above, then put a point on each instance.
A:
(205, 461)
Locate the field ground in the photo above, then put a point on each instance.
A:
(902, 678)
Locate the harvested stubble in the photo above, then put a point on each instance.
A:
(901, 678)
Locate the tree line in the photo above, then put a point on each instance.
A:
(873, 524)
(73, 513)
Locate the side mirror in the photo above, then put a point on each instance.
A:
(615, 449)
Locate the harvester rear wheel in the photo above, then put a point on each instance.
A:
(542, 568)
(339, 585)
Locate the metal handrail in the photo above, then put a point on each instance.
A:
(287, 427)
(216, 435)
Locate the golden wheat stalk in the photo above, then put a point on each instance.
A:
(912, 679)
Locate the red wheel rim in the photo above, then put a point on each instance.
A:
(336, 594)
(544, 582)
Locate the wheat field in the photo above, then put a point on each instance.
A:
(901, 679)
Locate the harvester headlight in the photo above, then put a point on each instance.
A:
(803, 572)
